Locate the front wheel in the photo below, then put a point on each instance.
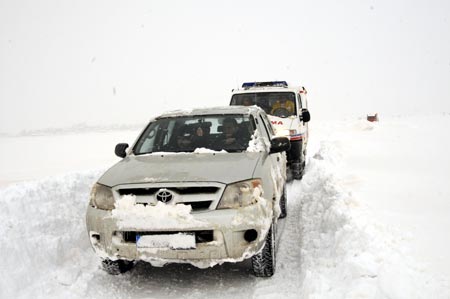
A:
(283, 203)
(263, 263)
(116, 267)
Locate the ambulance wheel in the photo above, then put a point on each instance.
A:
(298, 168)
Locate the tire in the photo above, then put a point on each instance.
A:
(283, 203)
(116, 267)
(298, 168)
(263, 263)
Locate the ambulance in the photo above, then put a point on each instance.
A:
(287, 108)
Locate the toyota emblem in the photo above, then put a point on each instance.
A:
(164, 195)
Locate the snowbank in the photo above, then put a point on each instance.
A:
(44, 241)
(346, 252)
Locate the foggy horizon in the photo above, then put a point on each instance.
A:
(105, 62)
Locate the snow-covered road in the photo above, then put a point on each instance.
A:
(333, 244)
(50, 257)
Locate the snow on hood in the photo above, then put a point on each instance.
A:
(129, 214)
(213, 167)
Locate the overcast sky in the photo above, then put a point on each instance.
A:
(118, 62)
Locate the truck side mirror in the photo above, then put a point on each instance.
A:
(120, 150)
(306, 117)
(279, 144)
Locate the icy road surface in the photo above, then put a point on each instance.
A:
(336, 241)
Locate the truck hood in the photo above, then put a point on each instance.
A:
(281, 124)
(182, 167)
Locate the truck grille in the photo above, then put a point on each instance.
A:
(179, 190)
(199, 198)
(198, 205)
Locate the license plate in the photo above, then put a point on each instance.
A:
(171, 241)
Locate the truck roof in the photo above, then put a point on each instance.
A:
(212, 111)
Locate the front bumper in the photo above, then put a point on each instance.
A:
(220, 236)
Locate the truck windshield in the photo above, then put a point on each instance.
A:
(281, 104)
(231, 133)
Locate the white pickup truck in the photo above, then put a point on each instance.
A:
(204, 187)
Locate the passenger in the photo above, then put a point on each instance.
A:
(247, 101)
(283, 105)
(230, 139)
(201, 136)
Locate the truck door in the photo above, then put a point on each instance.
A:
(277, 160)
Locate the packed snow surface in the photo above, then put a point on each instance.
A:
(368, 220)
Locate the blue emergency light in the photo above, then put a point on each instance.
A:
(263, 84)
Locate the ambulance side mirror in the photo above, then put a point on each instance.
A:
(306, 117)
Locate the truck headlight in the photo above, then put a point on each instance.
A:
(102, 197)
(286, 132)
(240, 194)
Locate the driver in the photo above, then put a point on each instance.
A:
(285, 104)
(230, 137)
(184, 139)
(247, 101)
